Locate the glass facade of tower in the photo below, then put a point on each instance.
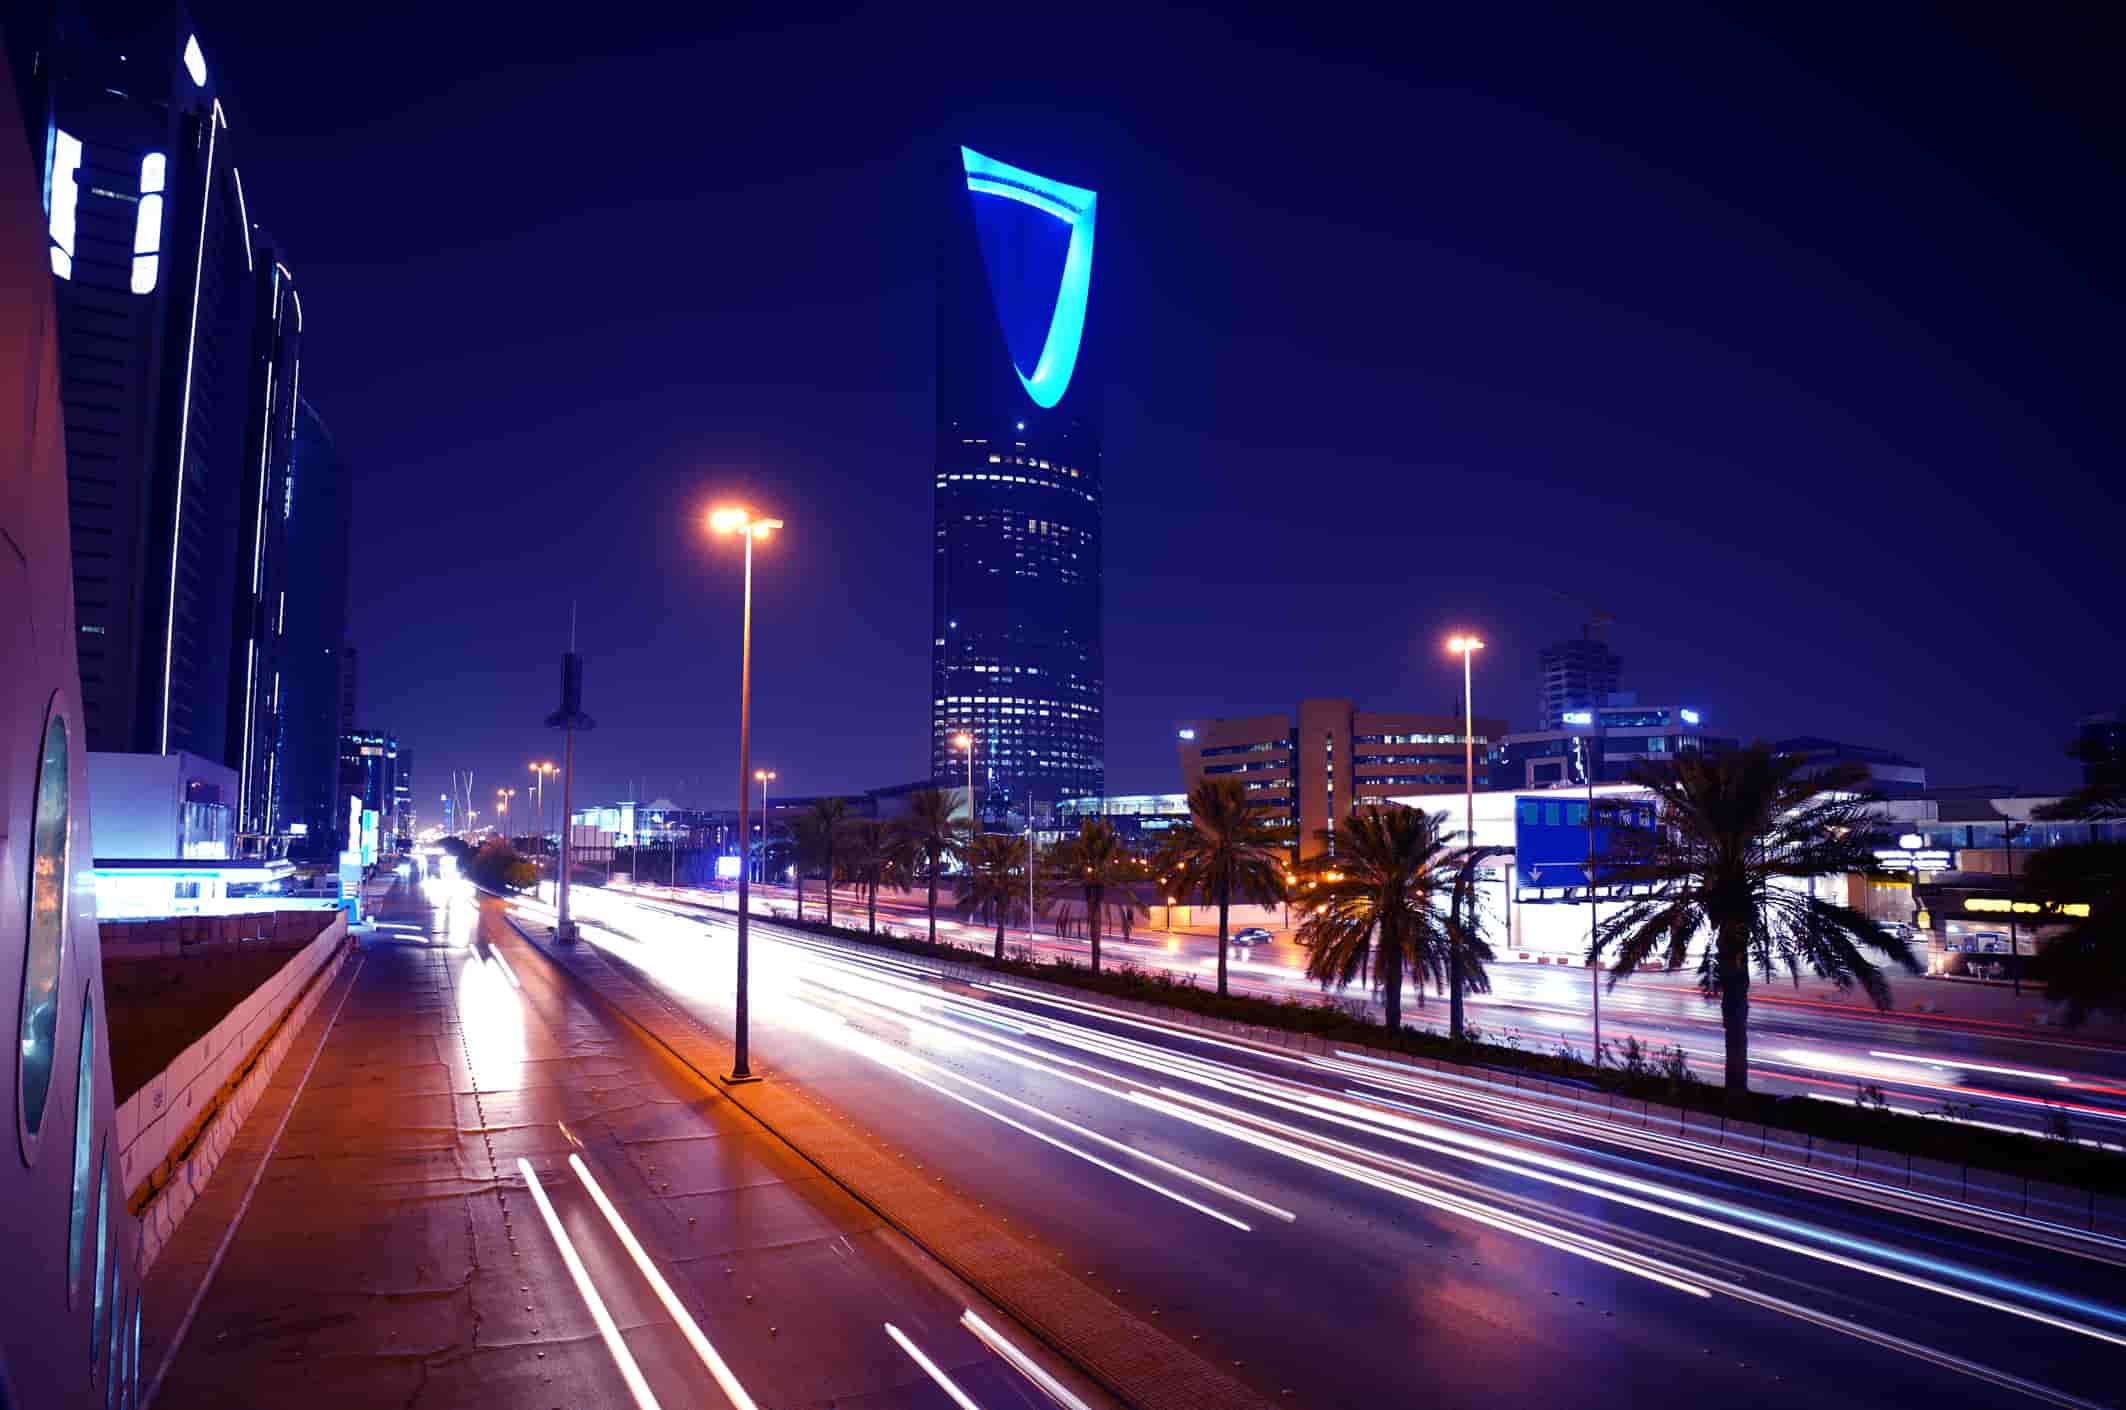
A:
(1016, 645)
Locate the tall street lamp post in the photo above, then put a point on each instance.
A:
(1466, 647)
(766, 777)
(965, 741)
(1594, 958)
(743, 523)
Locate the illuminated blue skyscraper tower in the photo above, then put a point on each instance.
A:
(1016, 659)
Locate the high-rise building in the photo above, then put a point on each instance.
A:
(319, 499)
(180, 332)
(402, 808)
(1578, 674)
(1336, 758)
(350, 683)
(1016, 646)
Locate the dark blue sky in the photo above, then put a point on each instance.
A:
(1791, 342)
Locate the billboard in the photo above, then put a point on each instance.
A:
(1550, 842)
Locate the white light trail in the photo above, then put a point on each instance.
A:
(1959, 1063)
(629, 1371)
(718, 1368)
(915, 1353)
(1022, 1363)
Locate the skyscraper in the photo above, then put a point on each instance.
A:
(1016, 645)
(319, 499)
(180, 333)
(1579, 674)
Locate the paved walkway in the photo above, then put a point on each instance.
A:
(373, 1239)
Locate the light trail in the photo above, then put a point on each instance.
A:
(905, 1064)
(1610, 1256)
(715, 1363)
(629, 1371)
(1019, 1361)
(900, 991)
(930, 1369)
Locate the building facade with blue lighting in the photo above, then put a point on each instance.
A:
(1017, 664)
(180, 341)
(1607, 740)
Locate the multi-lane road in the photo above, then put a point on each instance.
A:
(1340, 1232)
(1970, 1066)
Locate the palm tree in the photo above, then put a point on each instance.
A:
(1095, 863)
(818, 832)
(930, 832)
(1225, 852)
(1740, 838)
(1392, 896)
(994, 876)
(874, 859)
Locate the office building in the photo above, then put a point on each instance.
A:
(319, 502)
(1335, 757)
(1609, 740)
(350, 684)
(180, 331)
(369, 764)
(403, 814)
(1016, 641)
(1144, 820)
(1889, 774)
(1578, 674)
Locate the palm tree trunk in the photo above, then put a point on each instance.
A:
(830, 886)
(1454, 988)
(1093, 896)
(1391, 980)
(1000, 930)
(1735, 1018)
(871, 902)
(933, 900)
(800, 891)
(1225, 894)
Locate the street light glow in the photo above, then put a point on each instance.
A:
(735, 519)
(1463, 645)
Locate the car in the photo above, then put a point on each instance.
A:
(1252, 935)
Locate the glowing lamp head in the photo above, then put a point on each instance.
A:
(1463, 645)
(729, 521)
(963, 741)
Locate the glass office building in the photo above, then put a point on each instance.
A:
(1016, 654)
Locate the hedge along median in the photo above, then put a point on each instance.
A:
(1638, 1075)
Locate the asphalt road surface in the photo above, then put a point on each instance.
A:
(1971, 1068)
(1343, 1234)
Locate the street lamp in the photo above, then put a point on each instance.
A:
(1466, 647)
(766, 776)
(964, 740)
(734, 520)
(502, 797)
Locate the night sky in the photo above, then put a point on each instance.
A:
(1794, 349)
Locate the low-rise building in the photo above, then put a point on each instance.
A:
(1607, 741)
(1334, 757)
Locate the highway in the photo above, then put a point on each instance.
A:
(1341, 1233)
(1966, 1067)
(493, 1193)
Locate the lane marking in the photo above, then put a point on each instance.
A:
(959, 1397)
(709, 1357)
(625, 1359)
(1020, 1362)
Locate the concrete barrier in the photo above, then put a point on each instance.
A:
(173, 1131)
